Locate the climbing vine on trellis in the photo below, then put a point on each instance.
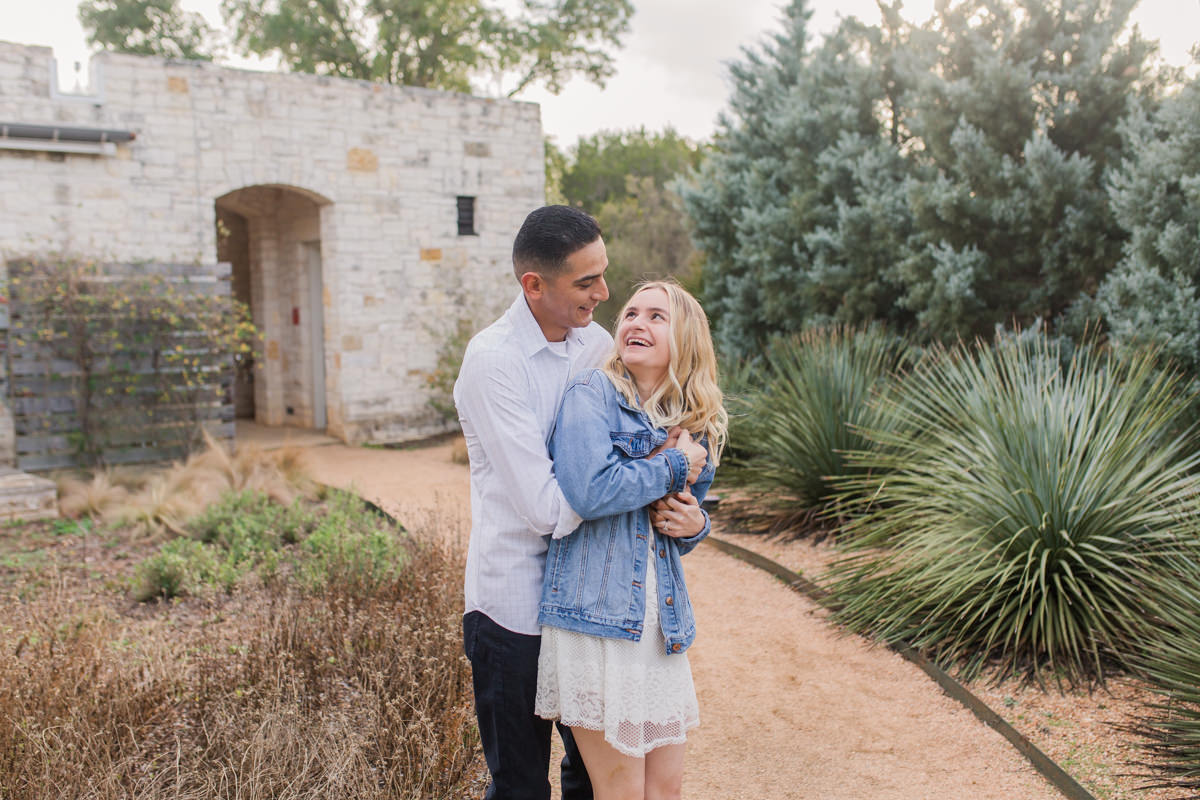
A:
(120, 362)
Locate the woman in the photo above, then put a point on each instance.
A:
(615, 613)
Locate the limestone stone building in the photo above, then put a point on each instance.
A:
(361, 220)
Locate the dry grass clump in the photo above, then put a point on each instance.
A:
(275, 692)
(150, 501)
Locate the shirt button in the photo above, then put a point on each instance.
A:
(670, 601)
(675, 648)
(662, 553)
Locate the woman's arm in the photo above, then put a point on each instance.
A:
(595, 477)
(686, 522)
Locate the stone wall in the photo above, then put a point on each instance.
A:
(367, 174)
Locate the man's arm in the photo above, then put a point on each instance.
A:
(492, 399)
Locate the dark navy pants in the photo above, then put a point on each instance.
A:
(516, 742)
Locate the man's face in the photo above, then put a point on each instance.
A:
(569, 298)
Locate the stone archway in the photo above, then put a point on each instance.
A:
(271, 235)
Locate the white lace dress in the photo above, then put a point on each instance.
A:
(638, 695)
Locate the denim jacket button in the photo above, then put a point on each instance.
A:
(670, 601)
(675, 648)
(662, 553)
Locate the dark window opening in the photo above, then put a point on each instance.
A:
(466, 216)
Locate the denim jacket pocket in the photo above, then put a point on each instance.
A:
(635, 444)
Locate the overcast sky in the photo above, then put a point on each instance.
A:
(672, 70)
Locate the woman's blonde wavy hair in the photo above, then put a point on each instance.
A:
(689, 396)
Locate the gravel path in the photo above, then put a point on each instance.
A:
(789, 706)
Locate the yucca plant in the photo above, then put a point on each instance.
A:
(790, 437)
(1020, 511)
(1170, 660)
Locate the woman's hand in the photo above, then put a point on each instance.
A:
(677, 515)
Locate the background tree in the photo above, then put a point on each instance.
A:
(147, 28)
(622, 178)
(944, 177)
(601, 163)
(439, 44)
(1153, 296)
(1016, 120)
(800, 208)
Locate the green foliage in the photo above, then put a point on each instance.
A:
(601, 165)
(646, 239)
(441, 378)
(340, 545)
(143, 351)
(622, 178)
(352, 548)
(1171, 662)
(1020, 512)
(147, 28)
(556, 164)
(821, 393)
(180, 567)
(943, 178)
(1154, 294)
(438, 45)
(250, 522)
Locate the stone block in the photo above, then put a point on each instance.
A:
(26, 497)
(360, 159)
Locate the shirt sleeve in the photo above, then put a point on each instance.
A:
(493, 404)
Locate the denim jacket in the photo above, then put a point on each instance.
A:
(595, 576)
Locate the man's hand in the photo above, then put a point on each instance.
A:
(672, 438)
(696, 454)
(677, 515)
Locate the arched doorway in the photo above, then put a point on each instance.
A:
(272, 237)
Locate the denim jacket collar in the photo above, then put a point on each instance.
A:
(657, 435)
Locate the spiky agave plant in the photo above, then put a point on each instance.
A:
(1170, 660)
(1026, 510)
(819, 390)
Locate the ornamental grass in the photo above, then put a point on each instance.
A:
(279, 688)
(1020, 512)
(816, 393)
(1170, 660)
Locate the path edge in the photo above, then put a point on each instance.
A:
(1051, 771)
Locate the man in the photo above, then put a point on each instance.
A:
(508, 391)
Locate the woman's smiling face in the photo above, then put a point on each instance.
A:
(644, 335)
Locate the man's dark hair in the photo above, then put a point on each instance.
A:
(549, 236)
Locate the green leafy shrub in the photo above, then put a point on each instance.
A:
(141, 354)
(351, 547)
(1022, 512)
(819, 392)
(342, 544)
(250, 521)
(180, 567)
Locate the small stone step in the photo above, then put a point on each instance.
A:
(26, 497)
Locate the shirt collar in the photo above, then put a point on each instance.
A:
(529, 334)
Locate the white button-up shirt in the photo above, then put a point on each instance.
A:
(507, 394)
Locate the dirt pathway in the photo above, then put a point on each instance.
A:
(789, 707)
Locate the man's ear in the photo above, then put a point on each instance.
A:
(534, 284)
